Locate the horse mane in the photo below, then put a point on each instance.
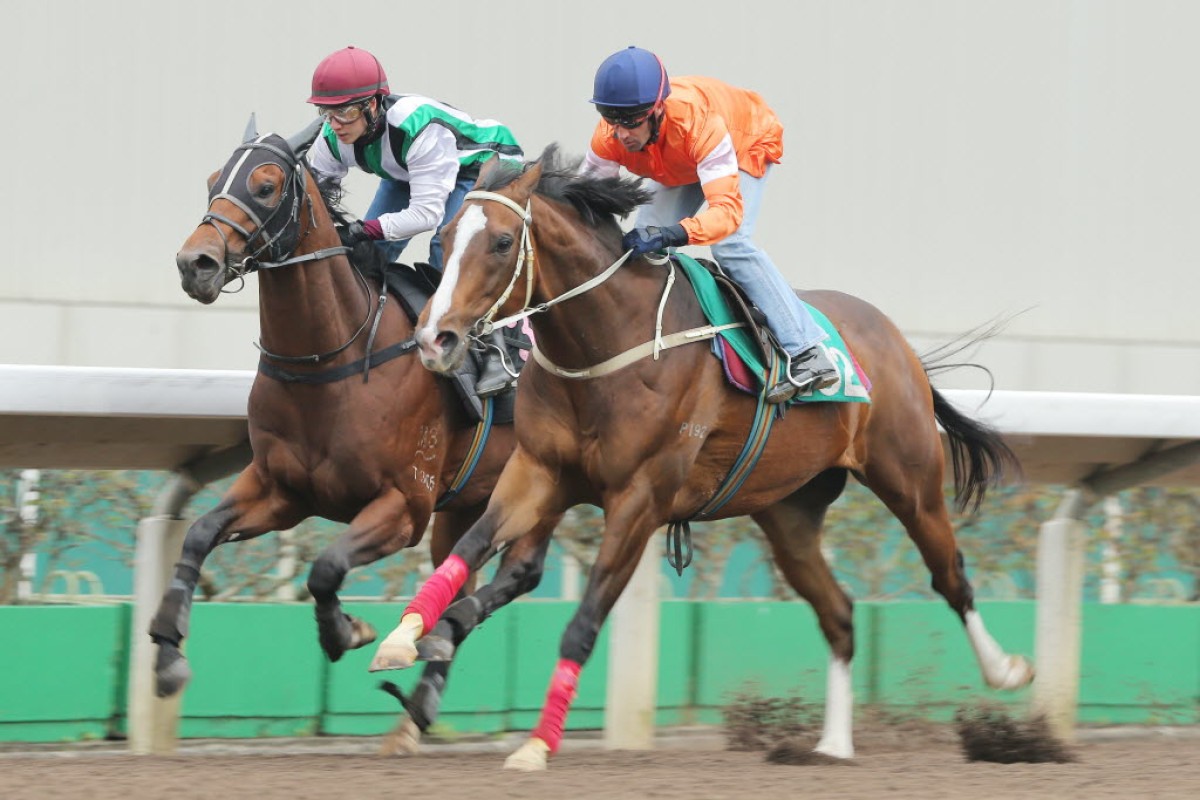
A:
(365, 255)
(596, 200)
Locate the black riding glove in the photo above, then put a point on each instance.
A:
(644, 240)
(360, 231)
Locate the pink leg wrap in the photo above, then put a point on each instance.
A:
(559, 697)
(438, 591)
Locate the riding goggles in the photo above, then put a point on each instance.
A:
(621, 118)
(343, 115)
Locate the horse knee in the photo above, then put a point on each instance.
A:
(527, 576)
(202, 536)
(327, 573)
(476, 542)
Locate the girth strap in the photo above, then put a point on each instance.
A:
(679, 531)
(482, 430)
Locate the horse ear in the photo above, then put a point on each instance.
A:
(300, 142)
(487, 168)
(251, 129)
(529, 181)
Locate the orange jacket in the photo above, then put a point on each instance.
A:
(709, 131)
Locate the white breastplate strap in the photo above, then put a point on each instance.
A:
(634, 354)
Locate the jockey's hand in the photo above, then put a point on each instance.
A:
(643, 240)
(367, 230)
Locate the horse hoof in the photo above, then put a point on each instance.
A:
(363, 633)
(843, 751)
(403, 740)
(530, 757)
(1017, 672)
(171, 678)
(348, 633)
(394, 654)
(435, 648)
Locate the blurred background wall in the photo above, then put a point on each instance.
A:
(952, 161)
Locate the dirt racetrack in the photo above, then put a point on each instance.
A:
(907, 762)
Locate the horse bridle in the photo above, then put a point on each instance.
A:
(278, 227)
(280, 234)
(526, 256)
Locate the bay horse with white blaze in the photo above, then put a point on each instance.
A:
(651, 442)
(355, 432)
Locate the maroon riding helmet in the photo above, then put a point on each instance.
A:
(345, 76)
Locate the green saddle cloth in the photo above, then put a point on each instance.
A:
(853, 386)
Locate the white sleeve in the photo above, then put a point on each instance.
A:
(322, 162)
(721, 162)
(599, 167)
(432, 169)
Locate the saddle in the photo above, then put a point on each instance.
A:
(745, 310)
(746, 353)
(412, 287)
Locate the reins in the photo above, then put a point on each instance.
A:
(526, 256)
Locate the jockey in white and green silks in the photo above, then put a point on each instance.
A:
(426, 153)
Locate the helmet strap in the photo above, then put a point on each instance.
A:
(656, 118)
(658, 112)
(375, 119)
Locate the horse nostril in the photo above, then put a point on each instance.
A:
(197, 262)
(206, 263)
(447, 341)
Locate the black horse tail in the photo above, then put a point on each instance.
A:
(978, 454)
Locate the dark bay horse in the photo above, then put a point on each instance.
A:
(375, 449)
(651, 442)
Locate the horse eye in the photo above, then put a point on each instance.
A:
(266, 190)
(504, 244)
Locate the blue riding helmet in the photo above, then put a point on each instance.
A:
(631, 77)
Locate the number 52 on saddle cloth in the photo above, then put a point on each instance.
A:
(743, 357)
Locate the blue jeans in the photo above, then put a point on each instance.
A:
(737, 254)
(393, 196)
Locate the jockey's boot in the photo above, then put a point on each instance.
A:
(811, 370)
(495, 377)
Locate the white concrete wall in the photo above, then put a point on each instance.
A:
(950, 160)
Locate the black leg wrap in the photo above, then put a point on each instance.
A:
(461, 618)
(170, 623)
(427, 697)
(580, 638)
(327, 574)
(422, 706)
(473, 546)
